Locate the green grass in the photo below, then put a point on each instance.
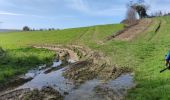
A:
(18, 61)
(22, 39)
(67, 36)
(144, 54)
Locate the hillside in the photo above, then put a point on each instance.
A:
(144, 53)
(67, 36)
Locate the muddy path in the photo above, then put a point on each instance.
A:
(87, 61)
(61, 51)
(130, 33)
(87, 75)
(46, 93)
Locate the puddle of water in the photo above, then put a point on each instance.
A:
(71, 61)
(84, 92)
(54, 79)
(41, 69)
(32, 73)
(56, 64)
(123, 82)
(87, 92)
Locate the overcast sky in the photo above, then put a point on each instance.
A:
(15, 14)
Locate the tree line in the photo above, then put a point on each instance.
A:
(26, 28)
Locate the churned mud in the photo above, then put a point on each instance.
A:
(46, 93)
(77, 74)
(63, 53)
(131, 32)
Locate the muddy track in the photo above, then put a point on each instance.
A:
(61, 51)
(46, 93)
(88, 61)
(13, 94)
(130, 33)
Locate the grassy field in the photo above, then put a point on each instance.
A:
(144, 54)
(17, 61)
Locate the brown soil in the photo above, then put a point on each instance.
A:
(46, 93)
(129, 33)
(63, 52)
(106, 92)
(12, 83)
(81, 71)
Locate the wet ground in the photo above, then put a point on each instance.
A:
(99, 90)
(53, 76)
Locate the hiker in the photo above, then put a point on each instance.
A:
(167, 59)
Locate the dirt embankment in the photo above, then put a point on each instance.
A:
(88, 64)
(130, 33)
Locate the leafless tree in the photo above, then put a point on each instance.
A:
(131, 15)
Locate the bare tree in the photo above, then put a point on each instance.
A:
(131, 15)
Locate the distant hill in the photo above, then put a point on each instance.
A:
(8, 30)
